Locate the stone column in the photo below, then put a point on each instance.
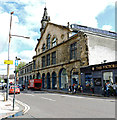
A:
(57, 79)
(50, 82)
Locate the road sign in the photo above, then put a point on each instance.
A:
(8, 61)
(16, 62)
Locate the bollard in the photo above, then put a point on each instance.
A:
(5, 96)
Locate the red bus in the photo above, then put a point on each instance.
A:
(35, 84)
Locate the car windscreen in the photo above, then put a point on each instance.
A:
(13, 87)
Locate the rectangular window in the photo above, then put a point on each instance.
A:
(54, 57)
(43, 61)
(48, 42)
(48, 60)
(73, 51)
(43, 48)
(34, 64)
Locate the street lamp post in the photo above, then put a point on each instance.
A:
(16, 59)
(7, 91)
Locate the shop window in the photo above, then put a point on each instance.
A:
(97, 82)
(88, 79)
(108, 77)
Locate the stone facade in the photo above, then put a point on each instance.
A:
(61, 51)
(25, 73)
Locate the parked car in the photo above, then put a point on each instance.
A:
(11, 90)
(2, 86)
(21, 87)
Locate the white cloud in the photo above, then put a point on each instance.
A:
(77, 11)
(27, 55)
(107, 27)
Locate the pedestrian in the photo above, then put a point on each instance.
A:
(104, 90)
(75, 88)
(114, 89)
(79, 88)
(70, 88)
(107, 89)
(92, 88)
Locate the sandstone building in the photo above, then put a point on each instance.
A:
(62, 50)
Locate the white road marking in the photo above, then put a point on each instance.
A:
(26, 109)
(110, 100)
(48, 99)
(83, 97)
(29, 94)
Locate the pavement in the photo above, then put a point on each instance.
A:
(6, 107)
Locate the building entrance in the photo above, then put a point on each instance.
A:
(63, 79)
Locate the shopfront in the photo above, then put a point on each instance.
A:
(98, 75)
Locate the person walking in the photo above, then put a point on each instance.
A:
(114, 89)
(70, 89)
(107, 89)
(92, 87)
(104, 89)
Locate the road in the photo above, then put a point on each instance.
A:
(49, 105)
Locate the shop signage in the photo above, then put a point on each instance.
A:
(105, 67)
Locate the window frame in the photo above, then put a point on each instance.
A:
(48, 59)
(48, 41)
(73, 51)
(53, 57)
(43, 47)
(54, 41)
(43, 61)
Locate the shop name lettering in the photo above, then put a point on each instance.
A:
(106, 67)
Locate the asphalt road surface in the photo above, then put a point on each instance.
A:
(49, 105)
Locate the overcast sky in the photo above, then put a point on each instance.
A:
(28, 14)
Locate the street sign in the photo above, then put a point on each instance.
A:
(16, 62)
(8, 61)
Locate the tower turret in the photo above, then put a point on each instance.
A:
(45, 20)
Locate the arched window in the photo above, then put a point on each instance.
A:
(48, 42)
(54, 42)
(54, 81)
(43, 47)
(38, 76)
(48, 80)
(43, 80)
(63, 79)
